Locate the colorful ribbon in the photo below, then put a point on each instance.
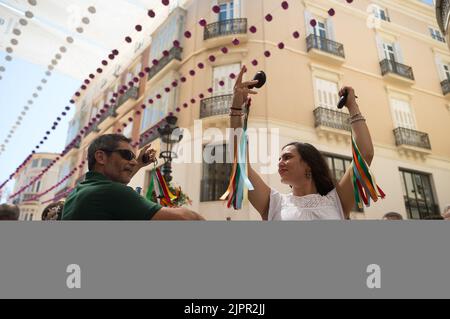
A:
(239, 180)
(158, 185)
(364, 184)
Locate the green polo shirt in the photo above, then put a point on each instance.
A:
(99, 198)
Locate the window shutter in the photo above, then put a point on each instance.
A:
(214, 16)
(330, 29)
(398, 52)
(440, 67)
(380, 47)
(308, 18)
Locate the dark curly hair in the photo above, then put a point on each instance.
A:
(320, 171)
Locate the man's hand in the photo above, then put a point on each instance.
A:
(148, 152)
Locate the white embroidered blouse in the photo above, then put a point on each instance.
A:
(308, 207)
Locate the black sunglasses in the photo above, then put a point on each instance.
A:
(125, 154)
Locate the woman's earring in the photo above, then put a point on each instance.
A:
(308, 175)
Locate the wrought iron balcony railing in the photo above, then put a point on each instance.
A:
(330, 118)
(132, 92)
(324, 44)
(151, 134)
(445, 85)
(216, 105)
(225, 27)
(109, 112)
(404, 136)
(92, 128)
(389, 66)
(174, 54)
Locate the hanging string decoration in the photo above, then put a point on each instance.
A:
(234, 194)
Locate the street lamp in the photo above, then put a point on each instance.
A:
(170, 134)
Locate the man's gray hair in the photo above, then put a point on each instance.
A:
(104, 142)
(9, 212)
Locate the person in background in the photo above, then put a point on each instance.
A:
(9, 212)
(392, 216)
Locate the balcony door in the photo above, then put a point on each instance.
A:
(403, 115)
(222, 83)
(226, 10)
(320, 29)
(326, 93)
(389, 51)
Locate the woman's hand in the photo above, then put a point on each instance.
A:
(241, 90)
(351, 97)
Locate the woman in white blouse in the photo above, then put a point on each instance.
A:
(302, 166)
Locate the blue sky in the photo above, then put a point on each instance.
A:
(17, 86)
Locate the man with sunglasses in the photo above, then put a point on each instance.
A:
(104, 194)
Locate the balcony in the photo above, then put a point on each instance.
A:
(325, 117)
(223, 32)
(412, 140)
(174, 55)
(151, 134)
(92, 128)
(132, 92)
(332, 124)
(397, 72)
(216, 105)
(325, 49)
(445, 85)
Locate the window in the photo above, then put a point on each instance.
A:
(381, 13)
(215, 176)
(36, 187)
(338, 166)
(320, 29)
(169, 31)
(436, 34)
(418, 194)
(326, 93)
(156, 111)
(402, 113)
(389, 51)
(226, 10)
(45, 162)
(35, 163)
(221, 75)
(324, 27)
